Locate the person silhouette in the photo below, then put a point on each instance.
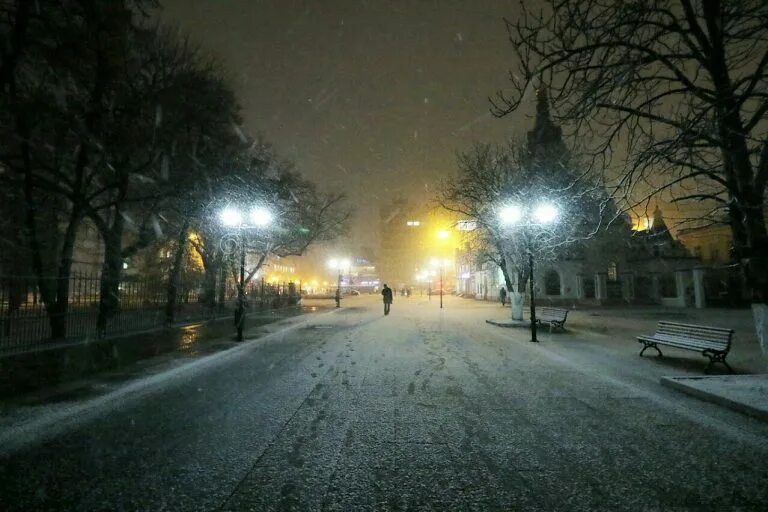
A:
(386, 294)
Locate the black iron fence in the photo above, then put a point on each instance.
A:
(25, 317)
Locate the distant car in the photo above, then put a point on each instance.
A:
(353, 292)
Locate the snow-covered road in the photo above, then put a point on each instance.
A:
(423, 409)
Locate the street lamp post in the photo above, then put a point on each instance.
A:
(441, 264)
(231, 217)
(338, 290)
(441, 287)
(339, 265)
(543, 214)
(533, 298)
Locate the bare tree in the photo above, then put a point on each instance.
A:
(55, 99)
(681, 84)
(493, 179)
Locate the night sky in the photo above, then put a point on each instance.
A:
(373, 97)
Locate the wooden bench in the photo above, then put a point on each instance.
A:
(712, 342)
(555, 317)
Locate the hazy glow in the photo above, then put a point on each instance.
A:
(231, 217)
(437, 262)
(443, 234)
(261, 216)
(510, 214)
(545, 213)
(339, 264)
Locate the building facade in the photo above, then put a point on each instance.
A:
(619, 265)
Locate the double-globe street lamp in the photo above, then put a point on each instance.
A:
(339, 264)
(530, 221)
(256, 218)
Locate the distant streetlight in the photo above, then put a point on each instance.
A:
(232, 217)
(339, 264)
(440, 264)
(542, 214)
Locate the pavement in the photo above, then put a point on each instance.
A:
(746, 393)
(425, 409)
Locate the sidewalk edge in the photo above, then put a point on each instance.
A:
(754, 412)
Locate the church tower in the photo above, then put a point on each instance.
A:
(545, 140)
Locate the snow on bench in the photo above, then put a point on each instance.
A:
(712, 342)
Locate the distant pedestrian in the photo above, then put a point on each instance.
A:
(503, 296)
(386, 294)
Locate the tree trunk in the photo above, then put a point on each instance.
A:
(57, 312)
(516, 293)
(747, 219)
(505, 273)
(211, 271)
(16, 42)
(222, 272)
(746, 215)
(109, 301)
(756, 258)
(176, 269)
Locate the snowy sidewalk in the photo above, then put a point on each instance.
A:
(745, 392)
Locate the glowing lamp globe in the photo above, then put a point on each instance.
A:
(231, 217)
(545, 213)
(510, 214)
(261, 217)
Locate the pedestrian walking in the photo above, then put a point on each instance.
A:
(386, 293)
(503, 296)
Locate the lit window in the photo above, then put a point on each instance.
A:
(413, 223)
(613, 274)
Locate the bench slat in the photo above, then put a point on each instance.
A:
(688, 343)
(553, 314)
(668, 327)
(694, 326)
(677, 337)
(694, 333)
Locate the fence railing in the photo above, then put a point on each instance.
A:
(25, 320)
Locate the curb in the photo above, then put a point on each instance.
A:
(508, 323)
(744, 408)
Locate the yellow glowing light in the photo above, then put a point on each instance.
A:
(443, 234)
(642, 224)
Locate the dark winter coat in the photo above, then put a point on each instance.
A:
(387, 294)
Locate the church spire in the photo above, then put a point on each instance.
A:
(545, 141)
(542, 102)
